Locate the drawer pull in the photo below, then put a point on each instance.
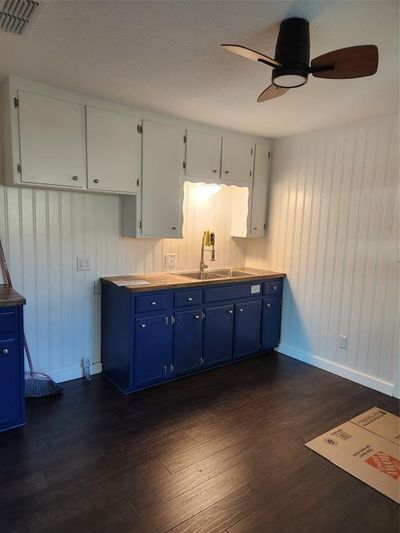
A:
(190, 299)
(142, 325)
(153, 303)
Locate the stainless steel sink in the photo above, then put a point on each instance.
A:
(221, 273)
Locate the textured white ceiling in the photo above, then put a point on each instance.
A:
(165, 55)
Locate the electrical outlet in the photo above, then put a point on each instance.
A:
(170, 260)
(97, 286)
(343, 342)
(83, 263)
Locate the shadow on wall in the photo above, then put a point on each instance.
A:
(293, 326)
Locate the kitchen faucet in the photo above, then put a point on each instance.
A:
(207, 240)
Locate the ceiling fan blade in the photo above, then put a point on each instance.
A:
(351, 62)
(271, 92)
(248, 53)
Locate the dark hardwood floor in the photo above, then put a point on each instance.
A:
(218, 452)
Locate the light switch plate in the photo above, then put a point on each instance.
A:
(83, 263)
(170, 260)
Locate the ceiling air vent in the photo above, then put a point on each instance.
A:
(16, 14)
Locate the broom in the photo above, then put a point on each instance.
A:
(37, 384)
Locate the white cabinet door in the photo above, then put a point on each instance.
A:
(237, 161)
(203, 155)
(113, 151)
(260, 190)
(161, 187)
(52, 141)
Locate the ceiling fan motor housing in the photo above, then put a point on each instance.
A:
(293, 53)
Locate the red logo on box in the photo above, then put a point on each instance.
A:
(385, 463)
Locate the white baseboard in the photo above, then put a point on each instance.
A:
(75, 372)
(339, 370)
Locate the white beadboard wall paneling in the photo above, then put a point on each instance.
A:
(43, 233)
(334, 229)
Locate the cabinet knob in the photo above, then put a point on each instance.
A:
(255, 228)
(197, 317)
(268, 305)
(226, 171)
(215, 170)
(190, 299)
(95, 180)
(230, 311)
(274, 287)
(75, 178)
(153, 303)
(241, 310)
(173, 227)
(142, 325)
(4, 351)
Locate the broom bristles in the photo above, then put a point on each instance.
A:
(37, 387)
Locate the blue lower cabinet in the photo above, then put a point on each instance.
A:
(218, 335)
(153, 349)
(12, 401)
(247, 329)
(188, 341)
(271, 323)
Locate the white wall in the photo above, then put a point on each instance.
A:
(44, 231)
(333, 228)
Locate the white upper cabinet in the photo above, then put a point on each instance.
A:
(260, 190)
(113, 151)
(237, 161)
(51, 141)
(162, 183)
(203, 156)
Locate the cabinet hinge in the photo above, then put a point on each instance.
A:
(184, 139)
(269, 154)
(16, 102)
(173, 320)
(19, 168)
(139, 128)
(184, 165)
(166, 321)
(203, 315)
(140, 225)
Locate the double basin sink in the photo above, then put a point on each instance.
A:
(222, 273)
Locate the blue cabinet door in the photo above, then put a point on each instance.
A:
(153, 349)
(10, 383)
(188, 341)
(218, 335)
(247, 329)
(271, 323)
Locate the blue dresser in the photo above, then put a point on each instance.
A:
(152, 336)
(12, 400)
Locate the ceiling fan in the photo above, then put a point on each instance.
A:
(292, 57)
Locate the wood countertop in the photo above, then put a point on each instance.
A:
(9, 297)
(167, 280)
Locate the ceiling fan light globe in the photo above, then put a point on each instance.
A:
(289, 81)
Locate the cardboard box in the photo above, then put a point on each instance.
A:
(366, 447)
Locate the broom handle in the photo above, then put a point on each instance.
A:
(6, 272)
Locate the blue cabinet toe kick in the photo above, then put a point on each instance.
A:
(167, 334)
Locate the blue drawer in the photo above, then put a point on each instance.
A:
(187, 298)
(232, 292)
(8, 319)
(273, 287)
(151, 302)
